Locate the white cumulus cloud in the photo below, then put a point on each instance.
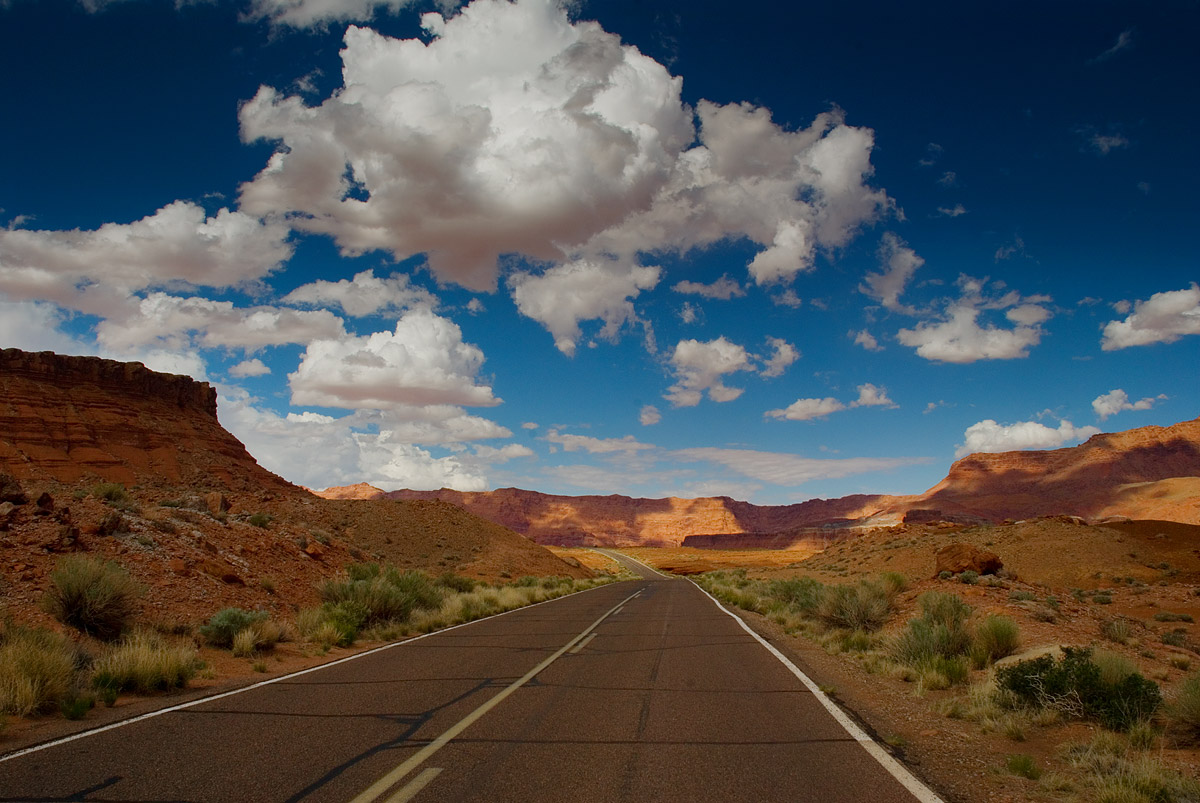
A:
(1162, 318)
(582, 290)
(807, 409)
(900, 263)
(253, 367)
(649, 415)
(584, 443)
(178, 244)
(423, 362)
(515, 131)
(783, 354)
(365, 294)
(700, 367)
(1117, 401)
(989, 436)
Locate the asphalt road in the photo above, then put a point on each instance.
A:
(637, 691)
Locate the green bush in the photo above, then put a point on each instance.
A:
(1078, 686)
(945, 574)
(75, 704)
(144, 662)
(96, 597)
(259, 519)
(1119, 630)
(995, 637)
(455, 582)
(37, 670)
(384, 594)
(1024, 766)
(112, 492)
(970, 577)
(1167, 616)
(894, 582)
(801, 594)
(1022, 596)
(225, 624)
(865, 606)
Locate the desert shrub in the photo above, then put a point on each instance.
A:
(969, 577)
(384, 594)
(112, 492)
(1022, 596)
(37, 669)
(893, 582)
(1023, 765)
(802, 594)
(995, 637)
(144, 662)
(1184, 710)
(263, 634)
(865, 606)
(1078, 686)
(1167, 616)
(1119, 630)
(945, 574)
(96, 597)
(75, 704)
(1102, 598)
(1175, 638)
(1117, 777)
(456, 582)
(259, 519)
(225, 624)
(940, 631)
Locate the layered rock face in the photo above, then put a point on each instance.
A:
(624, 521)
(79, 418)
(1150, 471)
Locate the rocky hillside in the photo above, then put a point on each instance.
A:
(68, 419)
(1146, 473)
(130, 465)
(1150, 472)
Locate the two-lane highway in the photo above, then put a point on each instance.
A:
(637, 691)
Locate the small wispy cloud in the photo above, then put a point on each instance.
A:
(1124, 42)
(951, 211)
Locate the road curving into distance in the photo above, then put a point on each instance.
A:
(644, 690)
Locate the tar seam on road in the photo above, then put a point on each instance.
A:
(385, 783)
(212, 698)
(897, 770)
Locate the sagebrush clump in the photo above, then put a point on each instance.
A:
(96, 597)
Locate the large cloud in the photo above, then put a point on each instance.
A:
(1162, 318)
(319, 13)
(424, 361)
(178, 244)
(989, 436)
(515, 130)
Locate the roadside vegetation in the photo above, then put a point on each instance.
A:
(948, 647)
(105, 652)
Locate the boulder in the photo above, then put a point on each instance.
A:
(45, 504)
(216, 503)
(11, 491)
(959, 557)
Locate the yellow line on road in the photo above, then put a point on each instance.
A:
(375, 790)
(410, 789)
(574, 650)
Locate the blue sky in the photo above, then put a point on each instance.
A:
(622, 247)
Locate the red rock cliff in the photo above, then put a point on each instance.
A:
(82, 418)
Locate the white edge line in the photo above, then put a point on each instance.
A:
(898, 771)
(221, 695)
